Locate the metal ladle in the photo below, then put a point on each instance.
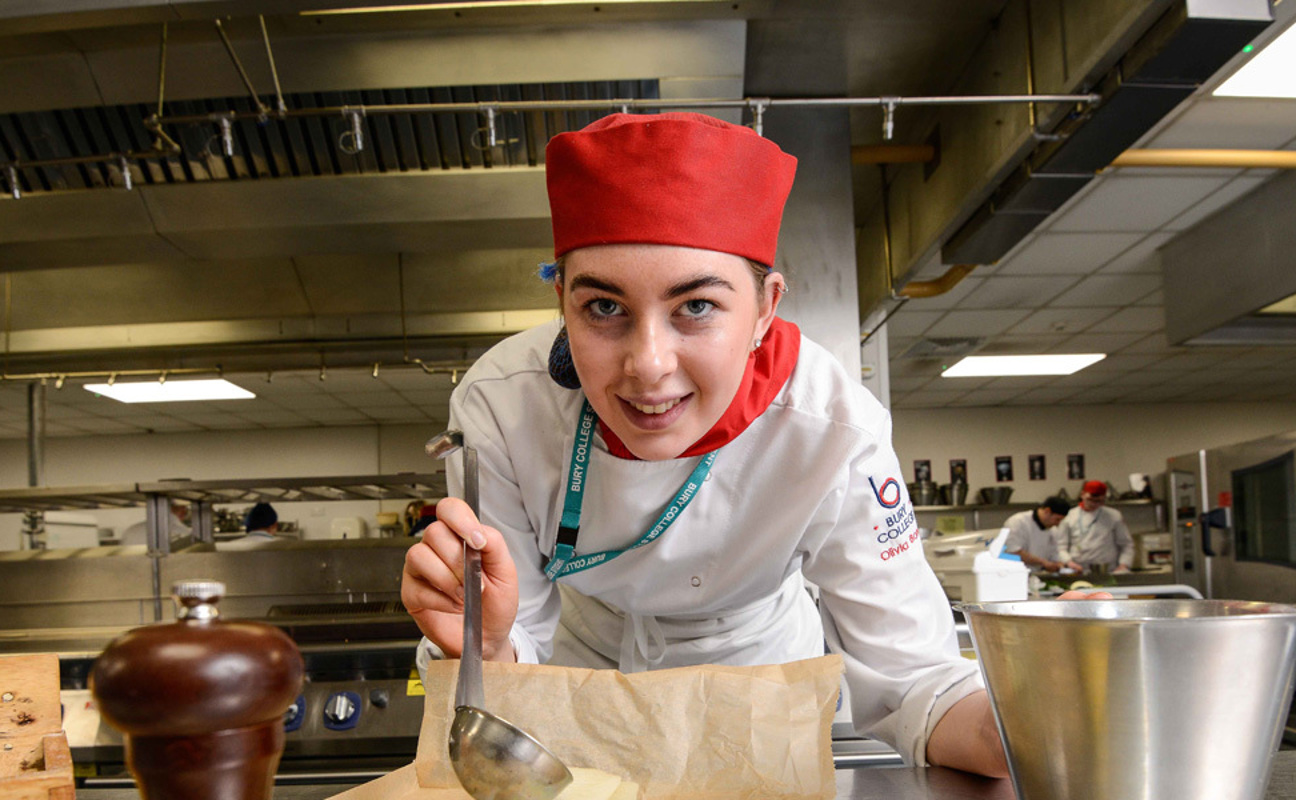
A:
(494, 759)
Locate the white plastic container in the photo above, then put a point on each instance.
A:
(65, 530)
(972, 568)
(347, 528)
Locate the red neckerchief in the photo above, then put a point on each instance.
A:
(768, 369)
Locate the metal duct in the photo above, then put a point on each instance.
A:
(1186, 46)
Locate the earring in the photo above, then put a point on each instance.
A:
(561, 368)
(756, 345)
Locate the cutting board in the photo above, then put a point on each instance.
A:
(35, 763)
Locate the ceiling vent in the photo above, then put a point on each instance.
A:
(293, 146)
(942, 348)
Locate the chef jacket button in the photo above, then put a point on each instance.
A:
(696, 581)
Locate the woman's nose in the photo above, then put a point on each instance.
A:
(651, 355)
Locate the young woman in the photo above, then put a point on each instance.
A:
(662, 473)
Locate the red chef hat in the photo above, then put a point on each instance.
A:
(677, 179)
(1095, 488)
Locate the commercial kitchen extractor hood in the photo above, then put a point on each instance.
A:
(1231, 279)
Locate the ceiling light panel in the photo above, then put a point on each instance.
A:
(1268, 73)
(1060, 364)
(170, 391)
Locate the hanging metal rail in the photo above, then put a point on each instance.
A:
(164, 146)
(757, 105)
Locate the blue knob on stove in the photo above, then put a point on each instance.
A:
(342, 711)
(295, 714)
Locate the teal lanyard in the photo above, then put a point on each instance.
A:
(565, 561)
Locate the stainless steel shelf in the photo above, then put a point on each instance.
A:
(1024, 506)
(401, 486)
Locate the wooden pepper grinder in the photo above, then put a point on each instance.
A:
(200, 701)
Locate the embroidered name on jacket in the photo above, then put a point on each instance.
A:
(899, 531)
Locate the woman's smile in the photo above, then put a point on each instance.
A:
(656, 416)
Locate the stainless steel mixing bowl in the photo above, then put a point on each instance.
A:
(1126, 699)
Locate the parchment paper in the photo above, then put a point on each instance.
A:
(695, 733)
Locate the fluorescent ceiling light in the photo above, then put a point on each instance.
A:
(1287, 305)
(1000, 366)
(1270, 72)
(171, 391)
(480, 4)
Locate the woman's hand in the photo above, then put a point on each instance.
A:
(432, 583)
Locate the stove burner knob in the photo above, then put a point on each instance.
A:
(379, 698)
(340, 709)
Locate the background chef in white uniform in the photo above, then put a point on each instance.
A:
(262, 523)
(1030, 537)
(660, 471)
(1094, 533)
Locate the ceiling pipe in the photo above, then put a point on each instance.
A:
(1236, 159)
(951, 278)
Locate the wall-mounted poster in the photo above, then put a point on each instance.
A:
(958, 470)
(1075, 467)
(922, 471)
(1036, 464)
(1003, 469)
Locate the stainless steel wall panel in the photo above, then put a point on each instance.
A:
(75, 588)
(333, 572)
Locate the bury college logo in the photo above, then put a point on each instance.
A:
(888, 494)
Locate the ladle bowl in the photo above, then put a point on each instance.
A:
(496, 760)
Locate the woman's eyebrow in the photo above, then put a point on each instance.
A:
(700, 282)
(597, 284)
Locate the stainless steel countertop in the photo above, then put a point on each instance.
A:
(879, 783)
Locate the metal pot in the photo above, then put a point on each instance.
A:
(1137, 699)
(924, 493)
(953, 494)
(996, 495)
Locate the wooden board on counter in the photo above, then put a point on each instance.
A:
(35, 763)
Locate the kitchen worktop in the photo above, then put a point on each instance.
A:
(877, 783)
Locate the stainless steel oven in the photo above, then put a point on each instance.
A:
(1234, 523)
(1234, 515)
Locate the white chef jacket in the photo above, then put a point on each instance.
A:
(251, 541)
(1025, 533)
(1097, 538)
(811, 488)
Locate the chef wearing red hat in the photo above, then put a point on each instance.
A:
(663, 470)
(1094, 533)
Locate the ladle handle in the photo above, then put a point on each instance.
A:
(469, 690)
